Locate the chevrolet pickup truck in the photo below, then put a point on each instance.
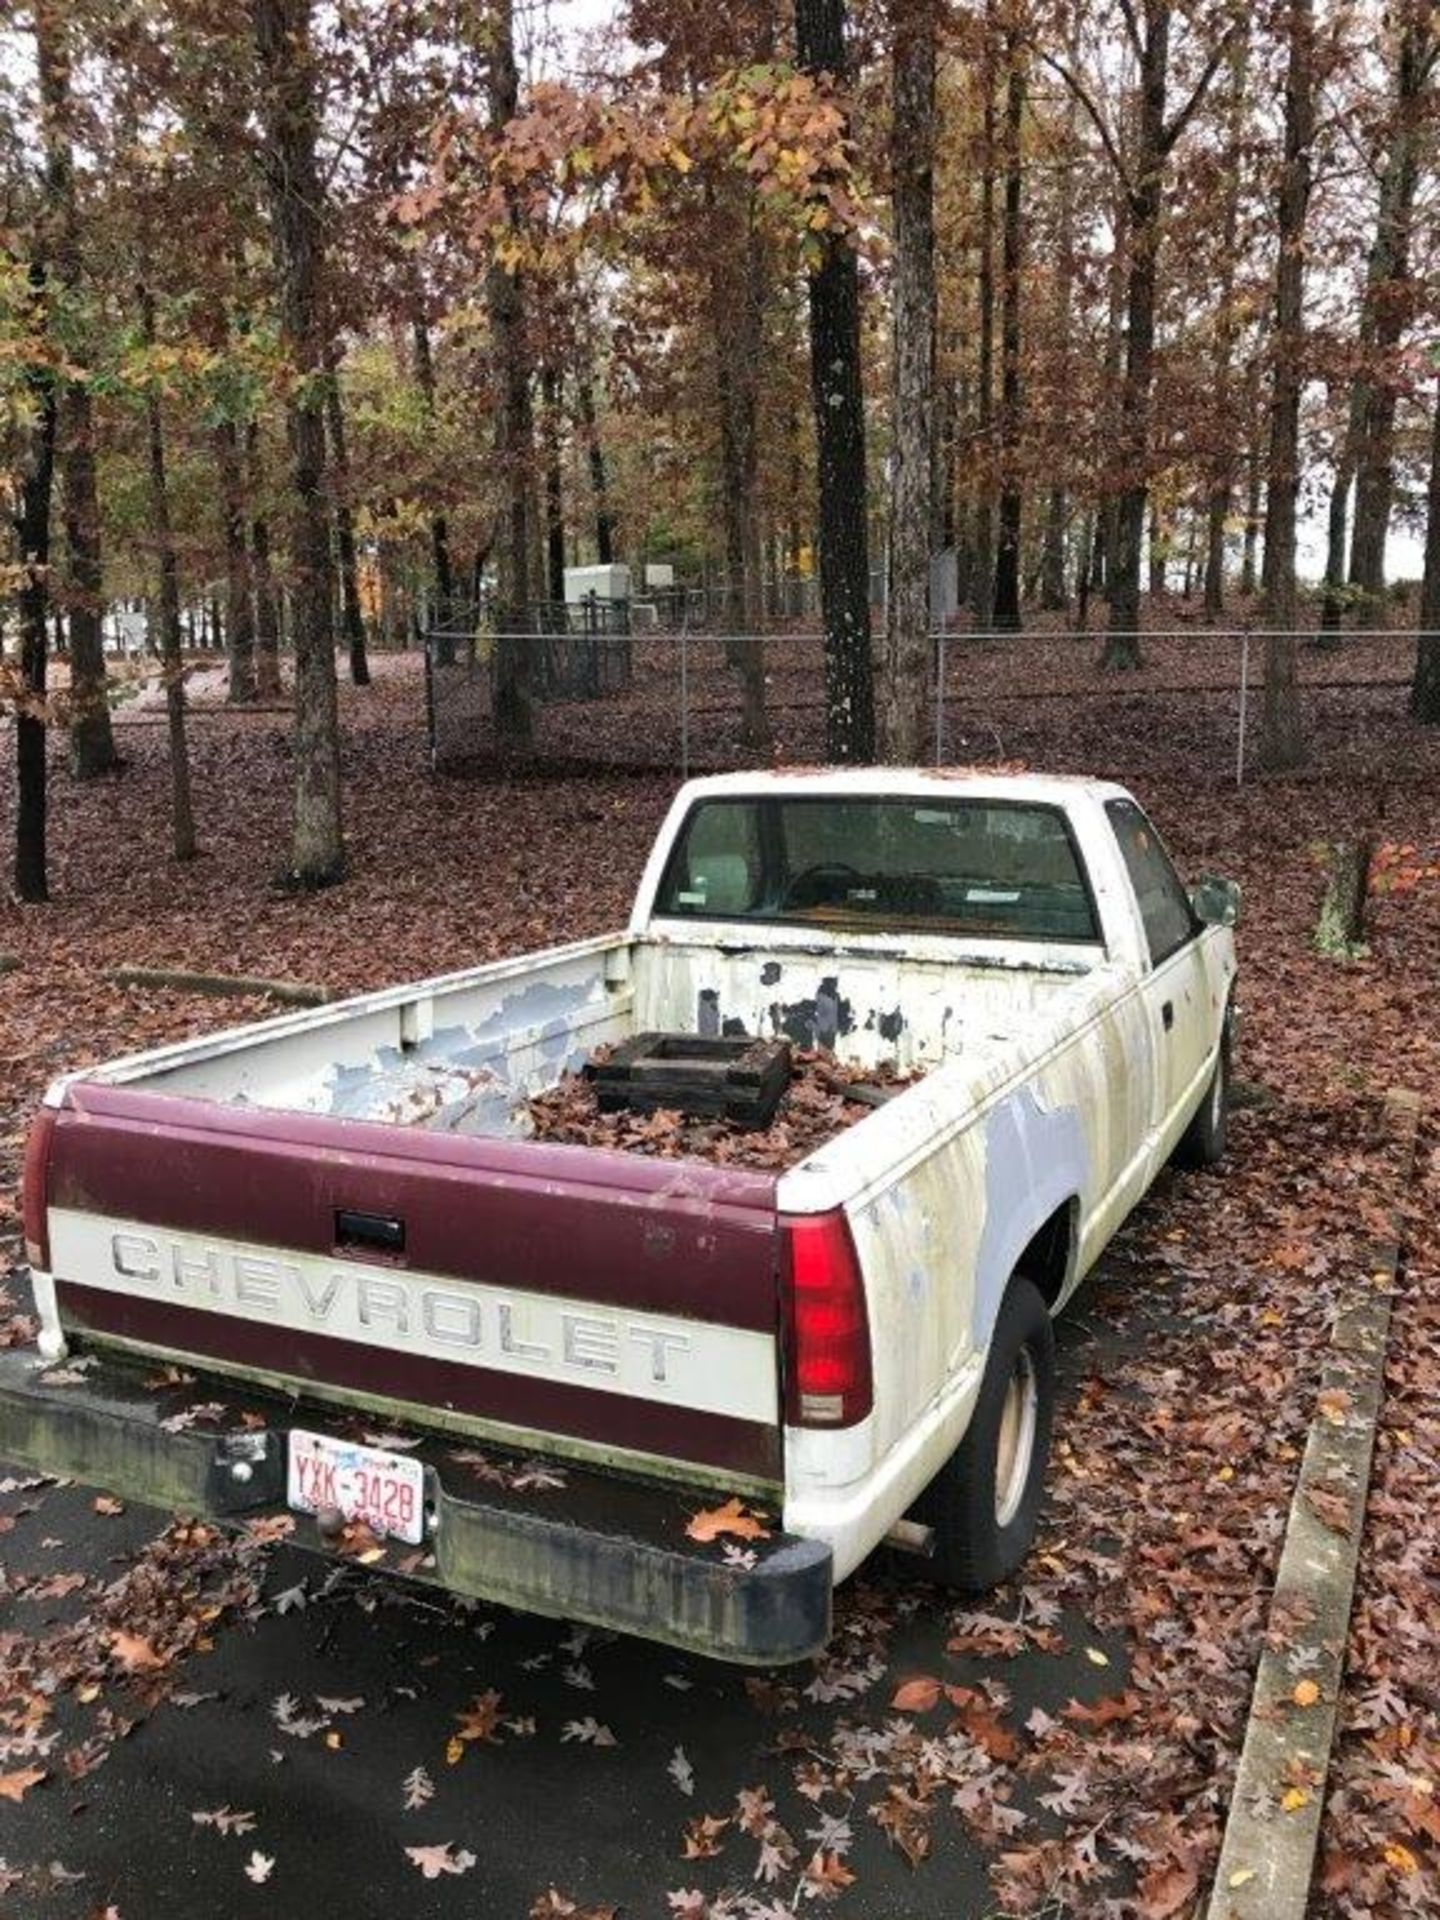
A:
(320, 1265)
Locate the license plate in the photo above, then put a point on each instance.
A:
(385, 1490)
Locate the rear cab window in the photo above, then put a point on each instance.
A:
(995, 869)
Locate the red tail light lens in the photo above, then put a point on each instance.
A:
(35, 1183)
(829, 1382)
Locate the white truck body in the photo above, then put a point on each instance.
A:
(1059, 1074)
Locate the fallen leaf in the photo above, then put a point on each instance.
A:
(15, 1786)
(225, 1820)
(1306, 1693)
(916, 1696)
(702, 1836)
(433, 1861)
(259, 1867)
(107, 1504)
(554, 1905)
(135, 1654)
(731, 1518)
(480, 1721)
(417, 1788)
(826, 1875)
(589, 1732)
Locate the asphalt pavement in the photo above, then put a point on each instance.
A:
(310, 1721)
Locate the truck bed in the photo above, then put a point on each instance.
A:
(344, 1203)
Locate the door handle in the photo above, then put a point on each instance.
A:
(1167, 1014)
(372, 1232)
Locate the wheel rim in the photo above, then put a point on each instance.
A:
(1016, 1448)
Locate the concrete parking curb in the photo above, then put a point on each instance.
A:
(1273, 1827)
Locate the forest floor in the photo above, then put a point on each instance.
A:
(183, 1718)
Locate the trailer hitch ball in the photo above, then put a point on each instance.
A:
(330, 1522)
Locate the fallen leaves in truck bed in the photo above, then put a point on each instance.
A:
(824, 1097)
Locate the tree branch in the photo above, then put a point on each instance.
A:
(1082, 95)
(1171, 133)
(1132, 28)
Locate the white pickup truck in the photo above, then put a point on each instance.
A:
(320, 1264)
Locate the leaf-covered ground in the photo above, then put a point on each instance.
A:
(178, 1712)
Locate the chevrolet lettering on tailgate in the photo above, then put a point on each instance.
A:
(698, 1365)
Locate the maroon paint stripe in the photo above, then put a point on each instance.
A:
(675, 1237)
(547, 1406)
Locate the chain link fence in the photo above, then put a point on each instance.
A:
(695, 701)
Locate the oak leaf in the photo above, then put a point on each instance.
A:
(135, 1654)
(433, 1861)
(480, 1721)
(731, 1518)
(15, 1786)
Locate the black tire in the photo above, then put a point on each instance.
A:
(981, 1539)
(1203, 1142)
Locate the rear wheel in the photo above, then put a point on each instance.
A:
(984, 1502)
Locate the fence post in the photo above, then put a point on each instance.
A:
(939, 699)
(684, 706)
(1244, 697)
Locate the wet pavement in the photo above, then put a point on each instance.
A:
(548, 1800)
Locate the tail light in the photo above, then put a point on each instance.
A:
(35, 1183)
(828, 1375)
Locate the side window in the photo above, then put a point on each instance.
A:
(716, 869)
(1164, 903)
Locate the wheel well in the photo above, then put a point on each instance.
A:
(1046, 1260)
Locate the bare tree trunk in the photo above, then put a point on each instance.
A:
(552, 393)
(439, 529)
(1122, 649)
(31, 521)
(239, 602)
(1159, 545)
(1281, 740)
(1332, 607)
(267, 591)
(514, 431)
(352, 617)
(92, 741)
(288, 115)
(599, 479)
(1390, 296)
(1254, 491)
(737, 328)
(182, 813)
(1425, 688)
(906, 674)
(840, 442)
(1101, 564)
(1223, 457)
(1007, 553)
(982, 566)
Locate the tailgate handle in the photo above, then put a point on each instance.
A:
(375, 1232)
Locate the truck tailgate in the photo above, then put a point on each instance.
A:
(617, 1303)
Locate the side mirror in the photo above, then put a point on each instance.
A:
(1216, 902)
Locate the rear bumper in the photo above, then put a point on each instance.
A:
(599, 1548)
